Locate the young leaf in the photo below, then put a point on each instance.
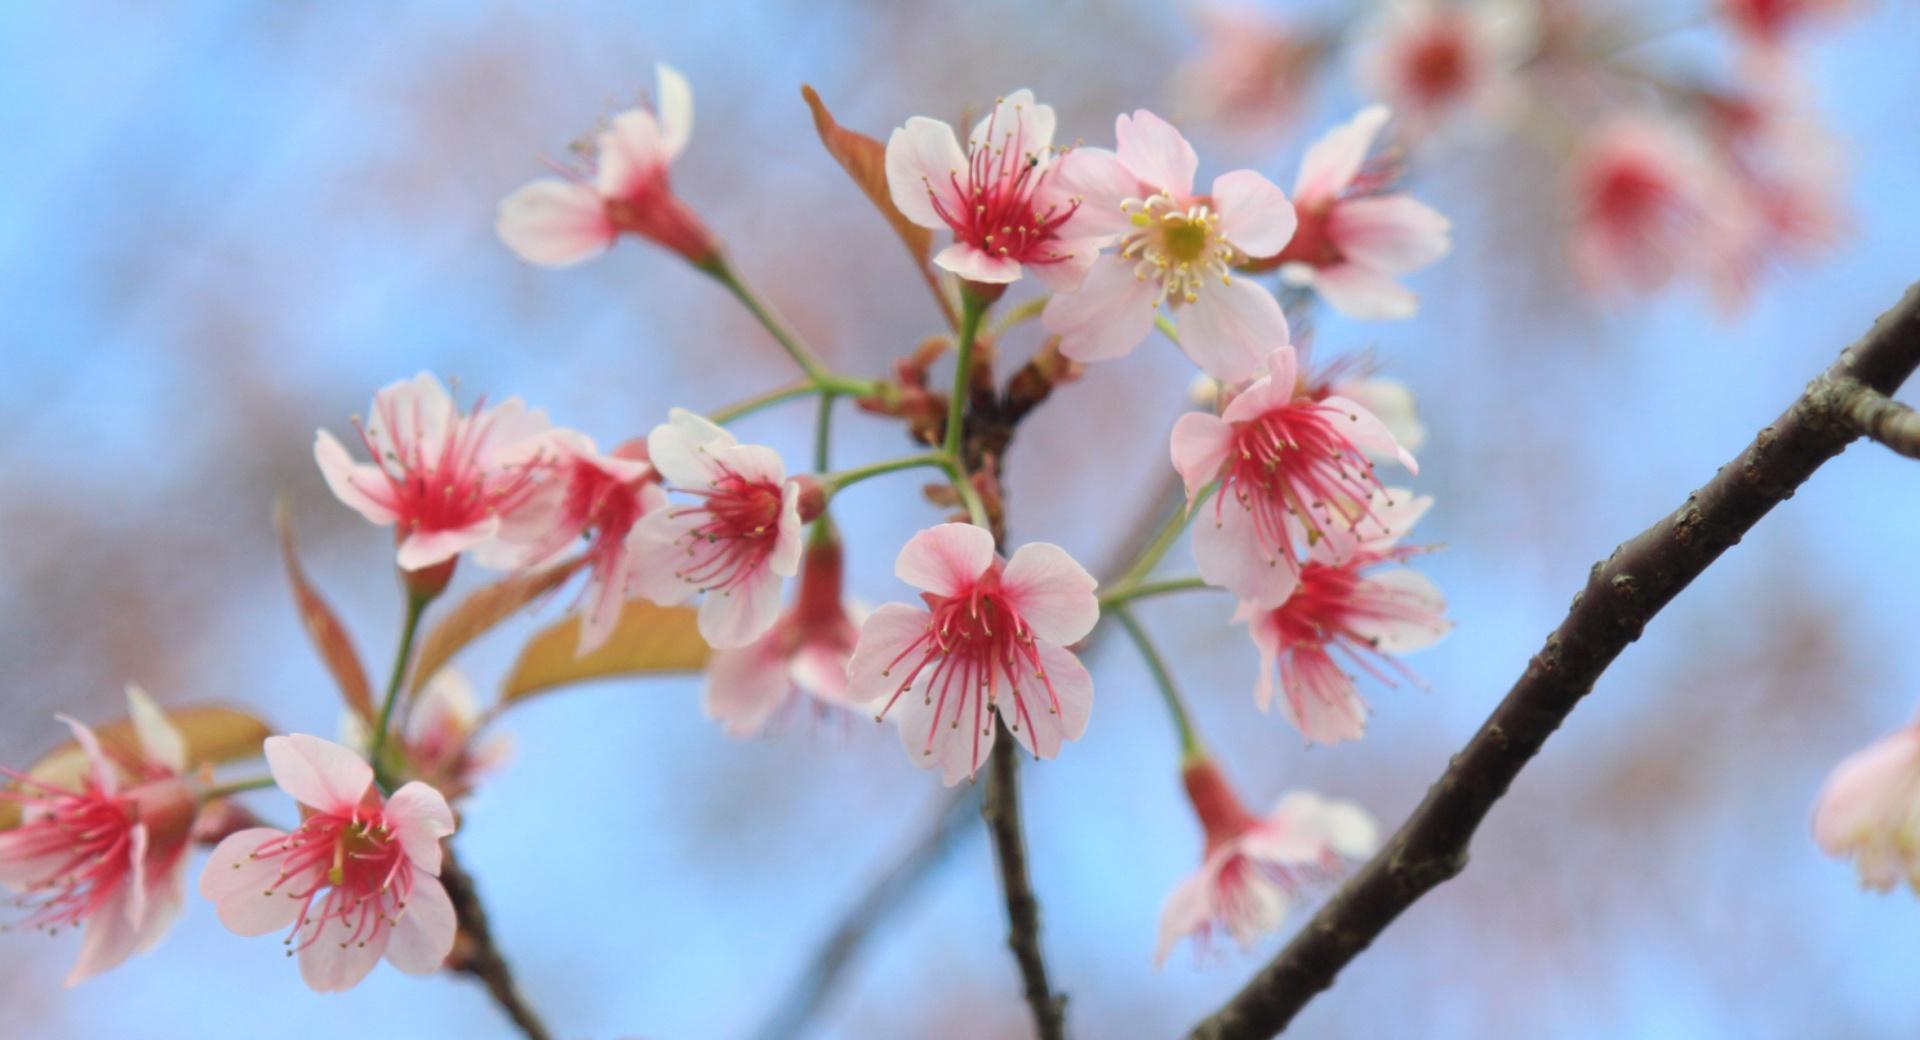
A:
(480, 612)
(865, 160)
(329, 636)
(649, 640)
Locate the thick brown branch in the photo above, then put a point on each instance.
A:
(1881, 417)
(476, 954)
(1622, 594)
(1002, 813)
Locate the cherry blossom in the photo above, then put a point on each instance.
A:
(1253, 866)
(994, 637)
(1869, 811)
(107, 851)
(1354, 239)
(1431, 59)
(437, 735)
(557, 222)
(736, 543)
(441, 479)
(356, 881)
(1768, 23)
(1000, 196)
(1345, 603)
(1293, 469)
(1250, 71)
(1650, 205)
(806, 649)
(1174, 248)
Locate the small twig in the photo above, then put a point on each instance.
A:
(1623, 593)
(1002, 813)
(481, 958)
(1879, 417)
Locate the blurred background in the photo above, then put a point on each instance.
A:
(226, 224)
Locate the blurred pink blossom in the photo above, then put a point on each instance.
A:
(807, 649)
(1869, 811)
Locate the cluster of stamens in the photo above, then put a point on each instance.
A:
(345, 868)
(1179, 248)
(90, 828)
(1332, 598)
(739, 524)
(998, 212)
(1293, 466)
(446, 486)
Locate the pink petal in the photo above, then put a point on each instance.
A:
(336, 958)
(1016, 117)
(877, 668)
(923, 158)
(821, 670)
(976, 265)
(1365, 430)
(424, 930)
(788, 545)
(355, 484)
(1077, 256)
(112, 934)
(420, 817)
(673, 110)
(1420, 620)
(741, 613)
(555, 223)
(1334, 160)
(160, 743)
(412, 416)
(1186, 913)
(238, 884)
(423, 549)
(99, 766)
(1101, 182)
(1344, 827)
(1108, 316)
(1231, 329)
(958, 751)
(1229, 553)
(1392, 234)
(166, 899)
(745, 686)
(605, 598)
(1201, 446)
(1357, 292)
(683, 447)
(631, 151)
(1270, 392)
(1393, 403)
(319, 774)
(1156, 153)
(946, 559)
(1051, 592)
(1319, 699)
(654, 558)
(1042, 731)
(1254, 213)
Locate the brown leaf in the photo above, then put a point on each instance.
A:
(480, 612)
(649, 640)
(213, 734)
(323, 627)
(865, 160)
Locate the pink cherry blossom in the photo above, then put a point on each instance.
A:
(1768, 23)
(1174, 248)
(442, 480)
(1354, 239)
(438, 733)
(1292, 468)
(1869, 811)
(995, 631)
(107, 851)
(356, 881)
(1251, 70)
(736, 543)
(806, 649)
(1344, 603)
(1254, 866)
(1650, 206)
(1007, 210)
(1431, 59)
(590, 495)
(557, 222)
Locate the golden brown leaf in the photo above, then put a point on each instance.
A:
(323, 627)
(213, 734)
(649, 640)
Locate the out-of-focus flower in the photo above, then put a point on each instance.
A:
(1768, 23)
(1431, 59)
(1354, 240)
(807, 649)
(593, 495)
(1251, 70)
(1869, 811)
(1174, 248)
(442, 480)
(1008, 211)
(1346, 604)
(437, 736)
(1649, 205)
(358, 880)
(556, 222)
(1293, 470)
(1253, 866)
(736, 544)
(994, 630)
(107, 853)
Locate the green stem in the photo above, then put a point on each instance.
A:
(1190, 746)
(763, 312)
(1151, 556)
(233, 787)
(969, 495)
(416, 608)
(772, 397)
(836, 481)
(1023, 313)
(823, 432)
(1128, 593)
(972, 309)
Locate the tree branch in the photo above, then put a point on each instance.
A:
(1002, 813)
(1622, 594)
(1880, 417)
(479, 957)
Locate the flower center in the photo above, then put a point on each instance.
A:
(348, 869)
(739, 525)
(450, 484)
(998, 212)
(84, 837)
(1437, 64)
(1293, 466)
(1176, 247)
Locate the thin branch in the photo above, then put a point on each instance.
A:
(1622, 594)
(952, 821)
(1880, 417)
(1002, 813)
(479, 957)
